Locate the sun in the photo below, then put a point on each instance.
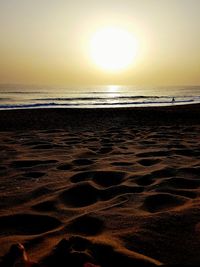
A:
(113, 49)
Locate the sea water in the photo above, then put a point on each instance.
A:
(21, 96)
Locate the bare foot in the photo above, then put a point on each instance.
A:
(20, 257)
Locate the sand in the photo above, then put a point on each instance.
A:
(111, 187)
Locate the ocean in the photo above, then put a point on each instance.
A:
(25, 97)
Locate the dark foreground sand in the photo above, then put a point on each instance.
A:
(112, 187)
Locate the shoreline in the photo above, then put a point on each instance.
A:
(55, 118)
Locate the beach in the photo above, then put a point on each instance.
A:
(113, 186)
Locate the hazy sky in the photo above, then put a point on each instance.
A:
(47, 41)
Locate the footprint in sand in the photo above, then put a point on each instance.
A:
(151, 154)
(184, 193)
(181, 183)
(49, 205)
(85, 193)
(65, 167)
(27, 224)
(34, 174)
(30, 163)
(105, 150)
(162, 202)
(148, 162)
(86, 225)
(121, 163)
(144, 180)
(80, 195)
(82, 162)
(102, 178)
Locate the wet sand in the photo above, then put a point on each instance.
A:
(117, 187)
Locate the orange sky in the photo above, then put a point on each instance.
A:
(47, 42)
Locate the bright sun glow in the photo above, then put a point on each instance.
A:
(113, 49)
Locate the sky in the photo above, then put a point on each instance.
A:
(48, 42)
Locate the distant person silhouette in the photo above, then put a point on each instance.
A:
(173, 99)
